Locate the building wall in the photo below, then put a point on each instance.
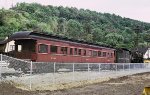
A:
(147, 54)
(10, 46)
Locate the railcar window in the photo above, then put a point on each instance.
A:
(53, 49)
(104, 54)
(99, 54)
(71, 51)
(108, 54)
(43, 48)
(79, 52)
(94, 53)
(84, 52)
(75, 51)
(111, 55)
(19, 48)
(64, 50)
(90, 52)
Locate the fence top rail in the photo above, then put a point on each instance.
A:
(86, 63)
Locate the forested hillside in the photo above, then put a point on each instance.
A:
(80, 24)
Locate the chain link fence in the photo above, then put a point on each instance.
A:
(51, 75)
(49, 67)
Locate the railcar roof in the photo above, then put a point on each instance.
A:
(3, 42)
(32, 35)
(20, 35)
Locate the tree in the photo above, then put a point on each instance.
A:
(98, 35)
(81, 24)
(147, 38)
(89, 38)
(74, 29)
(114, 39)
(62, 26)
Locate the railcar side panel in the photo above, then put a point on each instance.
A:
(70, 58)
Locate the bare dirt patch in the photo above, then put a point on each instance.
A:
(126, 85)
(9, 89)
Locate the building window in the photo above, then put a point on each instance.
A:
(53, 49)
(94, 53)
(99, 54)
(64, 50)
(43, 48)
(79, 52)
(71, 51)
(84, 52)
(90, 52)
(75, 51)
(104, 54)
(12, 47)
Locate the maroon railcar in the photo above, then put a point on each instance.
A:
(42, 47)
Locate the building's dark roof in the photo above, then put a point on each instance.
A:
(140, 49)
(123, 49)
(35, 35)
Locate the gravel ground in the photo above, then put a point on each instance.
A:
(126, 85)
(65, 80)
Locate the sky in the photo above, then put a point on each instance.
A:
(134, 9)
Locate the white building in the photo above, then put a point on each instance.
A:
(147, 54)
(10, 46)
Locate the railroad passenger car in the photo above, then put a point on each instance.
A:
(43, 47)
(123, 55)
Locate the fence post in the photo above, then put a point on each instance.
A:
(129, 66)
(116, 66)
(31, 70)
(54, 73)
(1, 58)
(73, 71)
(123, 66)
(148, 65)
(73, 67)
(1, 67)
(144, 65)
(99, 67)
(88, 67)
(54, 67)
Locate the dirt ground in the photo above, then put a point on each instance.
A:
(127, 85)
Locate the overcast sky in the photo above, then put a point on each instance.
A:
(135, 9)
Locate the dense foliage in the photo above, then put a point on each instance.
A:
(80, 24)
